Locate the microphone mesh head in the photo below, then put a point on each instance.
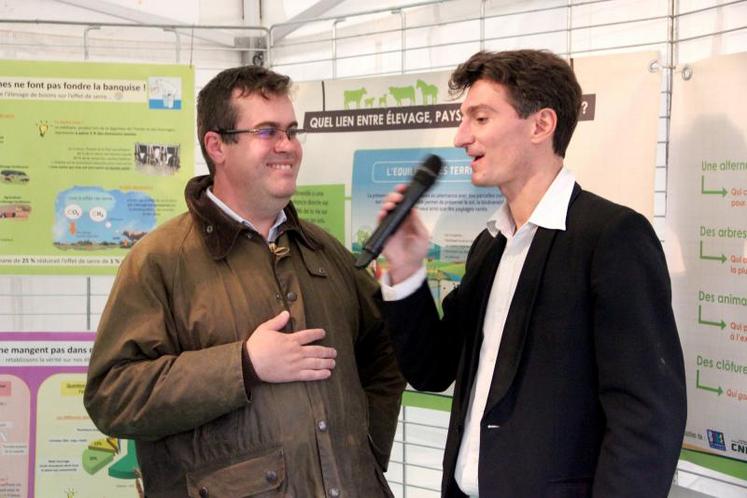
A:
(433, 164)
(428, 171)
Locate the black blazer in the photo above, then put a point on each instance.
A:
(588, 391)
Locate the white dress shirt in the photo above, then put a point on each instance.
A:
(272, 235)
(550, 213)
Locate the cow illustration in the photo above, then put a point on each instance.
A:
(354, 96)
(427, 91)
(403, 92)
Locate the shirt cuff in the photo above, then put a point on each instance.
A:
(403, 289)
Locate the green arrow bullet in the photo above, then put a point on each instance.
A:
(703, 190)
(716, 390)
(706, 322)
(721, 258)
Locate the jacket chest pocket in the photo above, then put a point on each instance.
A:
(256, 476)
(329, 290)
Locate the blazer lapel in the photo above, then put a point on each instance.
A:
(485, 265)
(519, 314)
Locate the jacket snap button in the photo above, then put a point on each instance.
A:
(209, 229)
(322, 425)
(204, 492)
(271, 476)
(334, 492)
(291, 296)
(322, 270)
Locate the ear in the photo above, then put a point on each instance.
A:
(544, 123)
(214, 146)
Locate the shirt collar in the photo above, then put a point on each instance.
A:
(550, 212)
(501, 221)
(272, 235)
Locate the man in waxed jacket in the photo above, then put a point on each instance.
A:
(239, 347)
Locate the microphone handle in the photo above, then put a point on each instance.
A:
(390, 224)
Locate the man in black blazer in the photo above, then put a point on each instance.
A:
(561, 341)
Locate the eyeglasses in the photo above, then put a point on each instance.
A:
(269, 133)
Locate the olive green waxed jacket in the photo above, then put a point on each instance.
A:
(166, 368)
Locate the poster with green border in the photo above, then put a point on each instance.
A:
(93, 156)
(323, 205)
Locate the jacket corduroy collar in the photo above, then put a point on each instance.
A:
(220, 231)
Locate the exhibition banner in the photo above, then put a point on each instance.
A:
(367, 135)
(92, 157)
(706, 244)
(48, 444)
(615, 155)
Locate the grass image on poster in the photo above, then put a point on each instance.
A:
(93, 156)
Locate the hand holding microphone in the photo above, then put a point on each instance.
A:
(406, 246)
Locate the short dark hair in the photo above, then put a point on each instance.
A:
(534, 79)
(214, 109)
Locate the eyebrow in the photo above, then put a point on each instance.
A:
(478, 107)
(274, 124)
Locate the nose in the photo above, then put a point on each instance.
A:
(463, 135)
(283, 143)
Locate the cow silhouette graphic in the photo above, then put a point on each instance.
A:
(427, 91)
(354, 96)
(403, 92)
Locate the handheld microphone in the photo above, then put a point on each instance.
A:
(423, 179)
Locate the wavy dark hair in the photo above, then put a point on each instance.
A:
(534, 79)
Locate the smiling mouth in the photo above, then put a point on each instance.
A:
(281, 166)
